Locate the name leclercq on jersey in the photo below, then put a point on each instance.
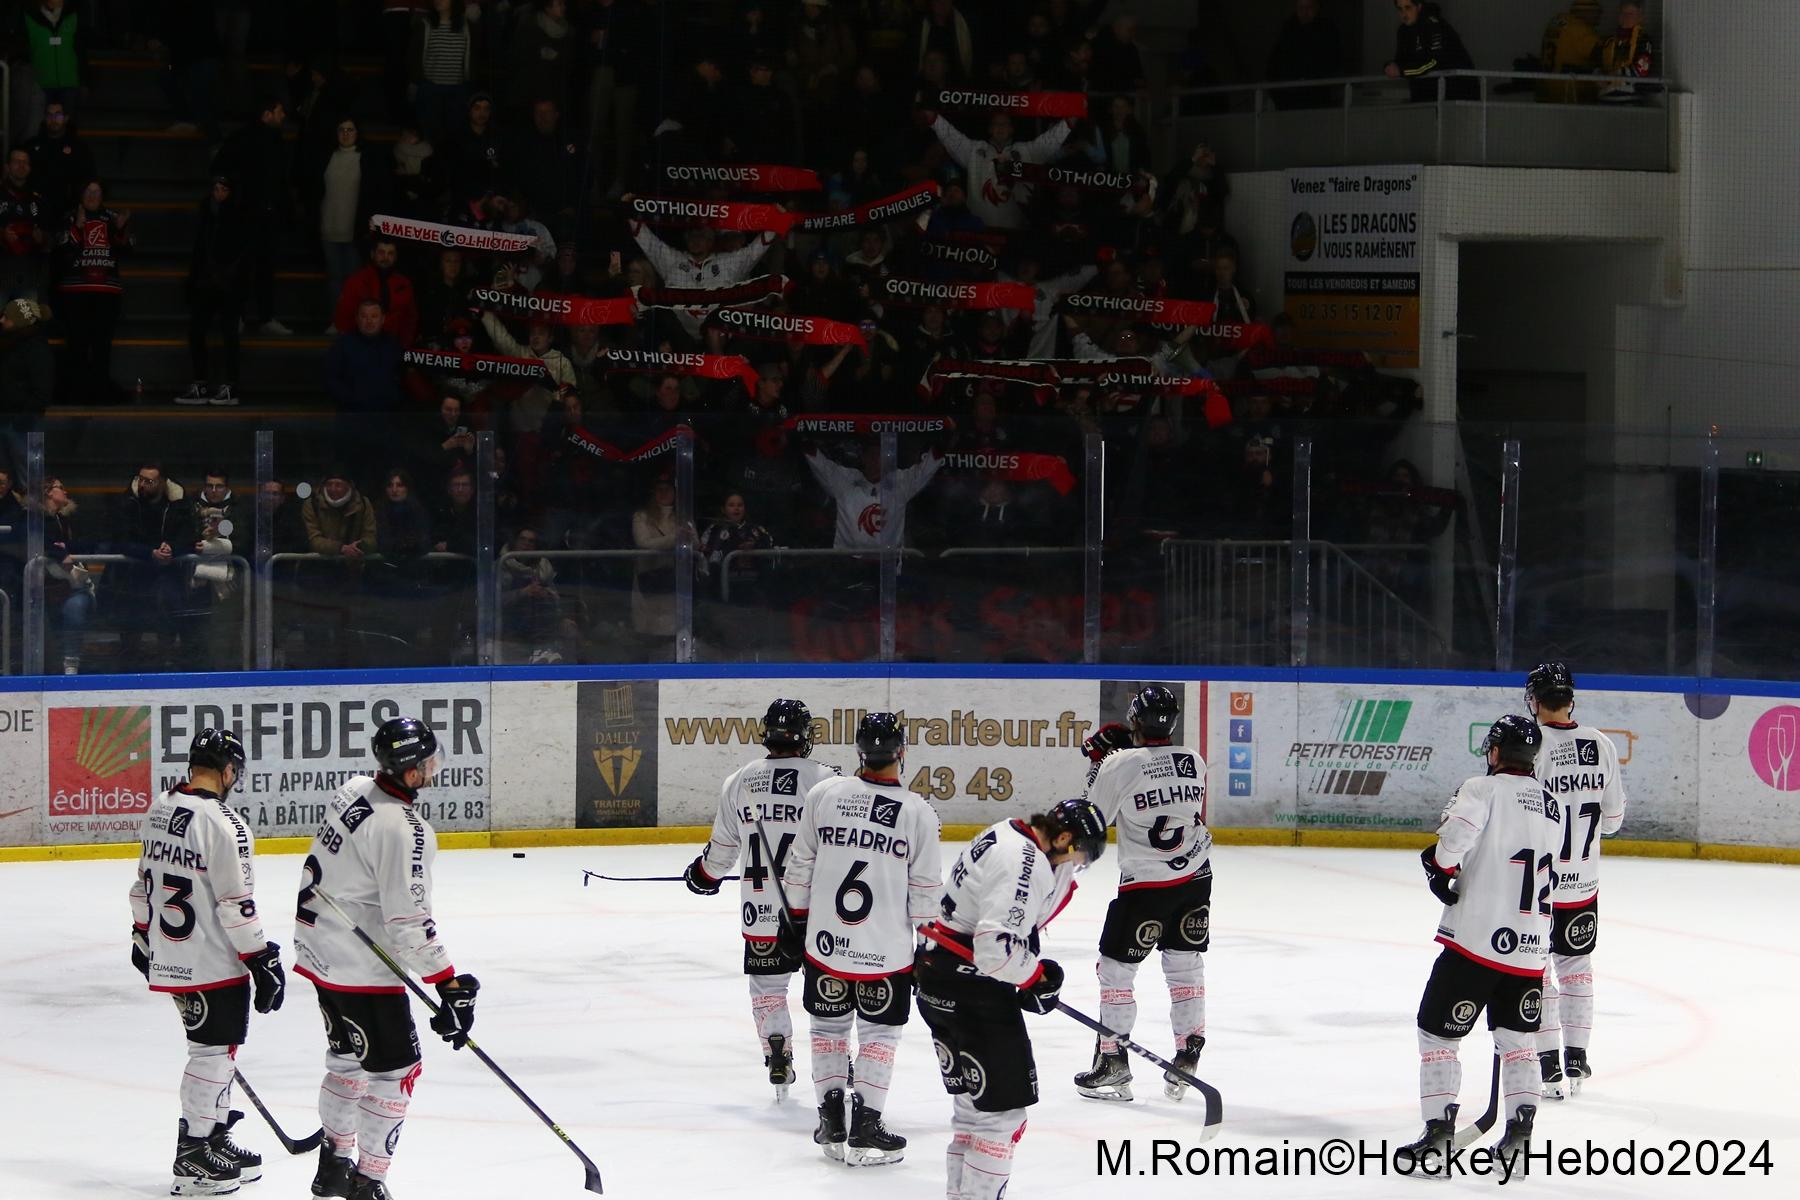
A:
(857, 838)
(1372, 752)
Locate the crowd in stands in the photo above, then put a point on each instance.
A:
(517, 163)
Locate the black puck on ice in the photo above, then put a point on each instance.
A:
(518, 854)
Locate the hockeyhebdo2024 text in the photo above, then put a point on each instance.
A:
(1677, 1158)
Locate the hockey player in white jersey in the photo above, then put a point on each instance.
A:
(1493, 869)
(373, 855)
(868, 851)
(981, 969)
(773, 789)
(197, 936)
(1580, 767)
(1157, 793)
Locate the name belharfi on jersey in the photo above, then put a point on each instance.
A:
(195, 892)
(776, 790)
(373, 855)
(1498, 836)
(880, 843)
(1157, 794)
(1579, 765)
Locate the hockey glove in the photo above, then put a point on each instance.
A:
(1104, 740)
(140, 951)
(1436, 878)
(698, 881)
(268, 978)
(456, 1013)
(790, 936)
(1041, 996)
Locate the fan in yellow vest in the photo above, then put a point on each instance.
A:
(1570, 42)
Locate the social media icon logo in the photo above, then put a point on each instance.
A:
(1240, 758)
(1240, 730)
(1238, 785)
(1243, 704)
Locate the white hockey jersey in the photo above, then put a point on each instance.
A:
(870, 852)
(860, 517)
(195, 892)
(774, 789)
(1001, 894)
(999, 202)
(1158, 795)
(680, 270)
(1579, 765)
(373, 855)
(1499, 837)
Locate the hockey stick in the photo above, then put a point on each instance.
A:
(305, 1145)
(587, 875)
(593, 1173)
(1469, 1134)
(775, 872)
(1215, 1106)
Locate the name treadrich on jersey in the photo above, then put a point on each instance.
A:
(1579, 765)
(195, 892)
(774, 789)
(1499, 836)
(1158, 796)
(870, 852)
(373, 855)
(1002, 892)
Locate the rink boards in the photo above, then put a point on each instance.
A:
(565, 755)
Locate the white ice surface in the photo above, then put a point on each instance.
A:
(621, 1008)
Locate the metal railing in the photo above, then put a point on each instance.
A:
(34, 633)
(873, 554)
(5, 108)
(5, 633)
(1252, 134)
(1232, 603)
(265, 578)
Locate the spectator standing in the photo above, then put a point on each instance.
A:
(1119, 139)
(730, 532)
(362, 371)
(89, 293)
(1309, 47)
(215, 289)
(1571, 44)
(440, 63)
(548, 166)
(541, 57)
(654, 527)
(614, 41)
(996, 198)
(473, 159)
(255, 159)
(943, 28)
(57, 48)
(60, 161)
(27, 375)
(444, 297)
(381, 282)
(857, 494)
(397, 21)
(763, 127)
(339, 521)
(1627, 55)
(822, 54)
(1424, 45)
(701, 266)
(417, 182)
(68, 586)
(25, 227)
(350, 190)
(188, 35)
(152, 525)
(1118, 61)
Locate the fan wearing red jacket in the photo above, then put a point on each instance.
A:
(382, 282)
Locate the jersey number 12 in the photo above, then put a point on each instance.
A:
(1528, 873)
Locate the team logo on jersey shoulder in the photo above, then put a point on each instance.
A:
(784, 781)
(1531, 1004)
(1505, 940)
(1184, 767)
(179, 820)
(1462, 1014)
(357, 813)
(1587, 752)
(885, 812)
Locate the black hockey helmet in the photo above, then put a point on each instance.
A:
(213, 748)
(1083, 819)
(879, 739)
(402, 743)
(787, 728)
(1551, 685)
(1154, 713)
(1517, 739)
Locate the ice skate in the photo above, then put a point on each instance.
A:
(248, 1163)
(333, 1176)
(1517, 1137)
(1576, 1069)
(781, 1065)
(1429, 1155)
(830, 1135)
(1108, 1079)
(1187, 1058)
(870, 1143)
(1555, 1085)
(199, 1170)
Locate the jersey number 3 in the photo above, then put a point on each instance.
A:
(180, 889)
